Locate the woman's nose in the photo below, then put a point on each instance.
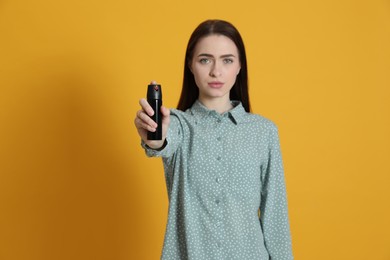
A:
(215, 70)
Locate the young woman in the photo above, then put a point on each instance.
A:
(223, 166)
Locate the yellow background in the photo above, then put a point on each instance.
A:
(74, 182)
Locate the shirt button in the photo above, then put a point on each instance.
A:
(219, 138)
(217, 201)
(219, 158)
(217, 180)
(219, 120)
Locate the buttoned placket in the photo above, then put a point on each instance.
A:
(219, 157)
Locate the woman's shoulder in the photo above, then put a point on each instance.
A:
(179, 117)
(263, 126)
(259, 120)
(178, 113)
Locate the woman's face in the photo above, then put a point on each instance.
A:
(215, 66)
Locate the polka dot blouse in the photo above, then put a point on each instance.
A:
(226, 189)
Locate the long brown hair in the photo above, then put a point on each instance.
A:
(190, 92)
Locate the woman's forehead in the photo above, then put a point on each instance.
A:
(216, 45)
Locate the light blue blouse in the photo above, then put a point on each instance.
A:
(222, 172)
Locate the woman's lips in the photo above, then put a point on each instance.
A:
(215, 84)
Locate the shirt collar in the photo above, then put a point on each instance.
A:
(236, 114)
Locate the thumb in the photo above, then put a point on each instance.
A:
(165, 111)
(165, 117)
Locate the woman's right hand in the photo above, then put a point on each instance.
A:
(144, 123)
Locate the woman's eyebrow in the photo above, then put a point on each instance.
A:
(212, 56)
(205, 55)
(227, 56)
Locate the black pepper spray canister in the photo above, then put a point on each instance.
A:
(154, 97)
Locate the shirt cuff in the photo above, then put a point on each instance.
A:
(151, 152)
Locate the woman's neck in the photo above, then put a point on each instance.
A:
(219, 105)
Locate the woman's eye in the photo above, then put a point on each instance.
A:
(227, 61)
(204, 61)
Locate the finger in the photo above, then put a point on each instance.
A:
(146, 107)
(153, 82)
(166, 120)
(166, 115)
(165, 111)
(146, 119)
(141, 124)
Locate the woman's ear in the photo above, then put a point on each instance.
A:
(239, 68)
(190, 67)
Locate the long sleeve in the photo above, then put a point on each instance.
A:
(173, 139)
(273, 207)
